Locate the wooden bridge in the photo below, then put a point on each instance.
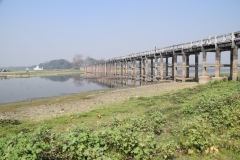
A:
(154, 65)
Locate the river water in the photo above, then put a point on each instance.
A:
(22, 89)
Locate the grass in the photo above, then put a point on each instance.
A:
(181, 111)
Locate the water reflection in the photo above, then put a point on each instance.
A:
(112, 82)
(3, 78)
(77, 79)
(22, 89)
(60, 78)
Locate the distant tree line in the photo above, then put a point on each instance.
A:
(78, 61)
(56, 64)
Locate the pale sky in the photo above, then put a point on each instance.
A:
(32, 32)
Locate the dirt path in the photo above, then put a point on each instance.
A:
(95, 101)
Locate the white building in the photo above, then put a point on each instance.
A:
(37, 68)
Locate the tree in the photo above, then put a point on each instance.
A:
(77, 59)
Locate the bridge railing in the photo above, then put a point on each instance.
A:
(212, 40)
(224, 38)
(236, 35)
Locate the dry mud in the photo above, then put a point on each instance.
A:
(95, 100)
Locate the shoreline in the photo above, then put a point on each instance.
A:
(41, 109)
(24, 74)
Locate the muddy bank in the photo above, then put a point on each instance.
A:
(92, 101)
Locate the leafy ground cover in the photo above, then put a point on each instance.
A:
(202, 122)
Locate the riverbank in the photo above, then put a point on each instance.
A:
(161, 121)
(32, 73)
(78, 103)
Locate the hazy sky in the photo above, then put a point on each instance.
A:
(32, 32)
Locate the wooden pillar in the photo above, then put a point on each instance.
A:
(166, 65)
(187, 65)
(111, 67)
(175, 66)
(133, 68)
(105, 68)
(146, 69)
(161, 68)
(156, 68)
(125, 68)
(96, 69)
(217, 63)
(115, 68)
(142, 68)
(204, 68)
(234, 63)
(118, 68)
(151, 69)
(196, 66)
(183, 66)
(121, 68)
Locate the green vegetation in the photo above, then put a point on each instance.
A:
(56, 64)
(79, 60)
(62, 64)
(195, 123)
(32, 73)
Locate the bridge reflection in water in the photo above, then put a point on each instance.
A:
(118, 82)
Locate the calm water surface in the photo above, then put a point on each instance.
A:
(22, 89)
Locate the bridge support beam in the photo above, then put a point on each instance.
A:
(115, 68)
(175, 67)
(172, 68)
(187, 65)
(234, 63)
(196, 66)
(125, 68)
(152, 69)
(122, 68)
(142, 68)
(118, 68)
(161, 67)
(146, 69)
(204, 78)
(166, 65)
(204, 62)
(183, 67)
(133, 68)
(102, 69)
(110, 68)
(156, 68)
(96, 68)
(217, 63)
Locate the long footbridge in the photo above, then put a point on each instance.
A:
(161, 64)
